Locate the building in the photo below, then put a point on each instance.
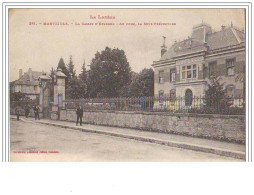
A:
(185, 68)
(28, 84)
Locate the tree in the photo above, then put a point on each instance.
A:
(75, 89)
(143, 83)
(83, 79)
(61, 65)
(72, 72)
(215, 96)
(83, 74)
(109, 72)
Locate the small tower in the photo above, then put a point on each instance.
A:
(163, 47)
(59, 88)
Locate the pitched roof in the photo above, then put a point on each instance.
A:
(184, 47)
(221, 39)
(224, 38)
(27, 80)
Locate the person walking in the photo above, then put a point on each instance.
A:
(79, 113)
(38, 112)
(17, 111)
(35, 112)
(27, 111)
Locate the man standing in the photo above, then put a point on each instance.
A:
(27, 110)
(17, 111)
(35, 112)
(79, 113)
(38, 112)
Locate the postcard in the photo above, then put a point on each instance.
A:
(127, 84)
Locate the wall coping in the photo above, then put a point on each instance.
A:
(167, 114)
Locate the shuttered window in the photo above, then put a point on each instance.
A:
(161, 76)
(212, 68)
(230, 64)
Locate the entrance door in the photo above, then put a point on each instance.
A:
(188, 98)
(60, 100)
(59, 106)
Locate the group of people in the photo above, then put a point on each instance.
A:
(36, 109)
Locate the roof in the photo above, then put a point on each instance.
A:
(59, 73)
(45, 77)
(221, 39)
(224, 38)
(184, 47)
(27, 80)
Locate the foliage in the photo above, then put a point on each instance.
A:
(72, 72)
(143, 84)
(61, 65)
(76, 89)
(17, 96)
(83, 79)
(83, 74)
(110, 72)
(215, 96)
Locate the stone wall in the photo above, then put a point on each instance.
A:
(222, 127)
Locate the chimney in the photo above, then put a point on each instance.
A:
(20, 73)
(223, 27)
(163, 47)
(30, 74)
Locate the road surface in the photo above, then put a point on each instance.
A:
(31, 141)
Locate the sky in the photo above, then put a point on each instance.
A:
(37, 46)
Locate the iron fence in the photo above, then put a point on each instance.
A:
(194, 104)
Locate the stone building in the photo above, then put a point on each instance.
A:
(185, 68)
(28, 84)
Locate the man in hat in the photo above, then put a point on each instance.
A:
(27, 110)
(79, 113)
(17, 111)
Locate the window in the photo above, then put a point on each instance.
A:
(172, 75)
(189, 72)
(230, 63)
(161, 75)
(194, 71)
(230, 91)
(212, 68)
(172, 94)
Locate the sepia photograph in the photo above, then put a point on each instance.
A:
(127, 85)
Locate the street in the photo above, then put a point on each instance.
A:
(31, 141)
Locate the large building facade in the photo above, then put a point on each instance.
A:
(186, 67)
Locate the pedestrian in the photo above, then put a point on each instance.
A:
(79, 113)
(35, 112)
(27, 110)
(38, 112)
(17, 111)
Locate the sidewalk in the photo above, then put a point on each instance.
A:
(192, 143)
